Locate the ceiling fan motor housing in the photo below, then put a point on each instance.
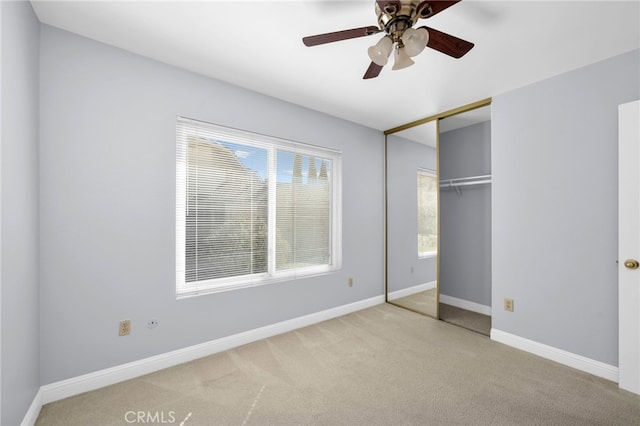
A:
(394, 17)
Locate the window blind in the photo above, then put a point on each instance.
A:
(303, 220)
(251, 208)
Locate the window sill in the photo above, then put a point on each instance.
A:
(186, 292)
(431, 255)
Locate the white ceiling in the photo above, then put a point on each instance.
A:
(257, 45)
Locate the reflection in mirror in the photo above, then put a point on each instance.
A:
(412, 212)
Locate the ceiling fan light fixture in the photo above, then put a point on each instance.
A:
(401, 59)
(415, 40)
(379, 53)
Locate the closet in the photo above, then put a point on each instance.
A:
(438, 216)
(465, 219)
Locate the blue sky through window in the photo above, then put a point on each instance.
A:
(256, 159)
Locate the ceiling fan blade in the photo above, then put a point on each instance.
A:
(339, 35)
(436, 6)
(448, 44)
(373, 71)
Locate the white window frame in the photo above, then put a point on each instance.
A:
(426, 254)
(272, 144)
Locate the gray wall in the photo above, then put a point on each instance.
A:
(554, 208)
(19, 214)
(465, 220)
(404, 159)
(108, 122)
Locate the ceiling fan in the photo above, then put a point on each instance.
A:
(396, 20)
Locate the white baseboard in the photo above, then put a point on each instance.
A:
(98, 379)
(34, 410)
(465, 304)
(578, 362)
(411, 290)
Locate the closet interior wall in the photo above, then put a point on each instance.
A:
(465, 217)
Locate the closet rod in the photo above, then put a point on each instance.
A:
(472, 180)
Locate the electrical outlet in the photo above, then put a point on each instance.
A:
(125, 328)
(152, 323)
(508, 305)
(350, 282)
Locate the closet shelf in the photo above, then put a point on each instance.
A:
(466, 181)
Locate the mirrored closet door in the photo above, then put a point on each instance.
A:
(412, 218)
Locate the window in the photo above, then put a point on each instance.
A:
(252, 209)
(427, 213)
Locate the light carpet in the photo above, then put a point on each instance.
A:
(379, 366)
(424, 302)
